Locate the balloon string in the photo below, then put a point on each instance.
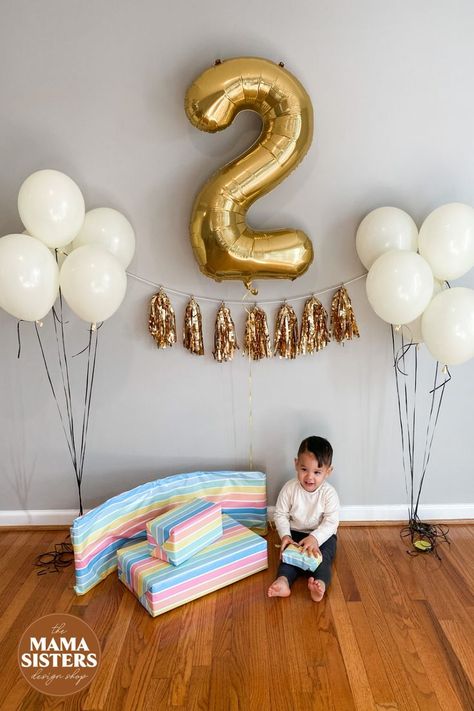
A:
(249, 383)
(67, 415)
(400, 355)
(446, 380)
(250, 416)
(88, 395)
(402, 431)
(61, 417)
(54, 561)
(87, 347)
(18, 336)
(64, 371)
(427, 456)
(424, 536)
(409, 434)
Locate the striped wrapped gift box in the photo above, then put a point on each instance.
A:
(184, 530)
(160, 586)
(294, 556)
(97, 535)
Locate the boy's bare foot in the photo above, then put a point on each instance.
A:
(279, 588)
(316, 589)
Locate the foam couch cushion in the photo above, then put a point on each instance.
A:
(97, 535)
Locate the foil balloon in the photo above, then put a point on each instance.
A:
(224, 245)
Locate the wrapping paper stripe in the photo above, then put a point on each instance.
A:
(98, 534)
(161, 587)
(294, 556)
(180, 533)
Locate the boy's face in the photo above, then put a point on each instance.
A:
(310, 474)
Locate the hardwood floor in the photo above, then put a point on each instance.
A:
(393, 633)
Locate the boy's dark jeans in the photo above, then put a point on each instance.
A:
(322, 572)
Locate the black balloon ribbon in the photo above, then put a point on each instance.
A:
(424, 537)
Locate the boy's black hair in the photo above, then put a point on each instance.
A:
(318, 446)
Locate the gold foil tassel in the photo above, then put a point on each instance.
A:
(257, 339)
(225, 340)
(314, 327)
(286, 332)
(192, 334)
(162, 321)
(343, 323)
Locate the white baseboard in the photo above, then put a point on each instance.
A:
(399, 512)
(41, 517)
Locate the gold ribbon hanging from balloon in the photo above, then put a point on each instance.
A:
(224, 245)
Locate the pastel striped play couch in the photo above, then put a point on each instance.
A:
(121, 521)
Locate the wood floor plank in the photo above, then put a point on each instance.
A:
(346, 577)
(400, 622)
(183, 656)
(10, 601)
(205, 615)
(461, 641)
(361, 690)
(135, 672)
(359, 549)
(199, 683)
(451, 691)
(111, 652)
(382, 690)
(251, 661)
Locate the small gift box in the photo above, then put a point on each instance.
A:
(294, 555)
(184, 530)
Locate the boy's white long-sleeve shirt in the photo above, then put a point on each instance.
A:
(315, 512)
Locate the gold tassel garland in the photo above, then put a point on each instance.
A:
(286, 332)
(162, 321)
(192, 335)
(314, 328)
(225, 339)
(257, 339)
(343, 323)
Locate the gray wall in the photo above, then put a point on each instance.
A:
(96, 90)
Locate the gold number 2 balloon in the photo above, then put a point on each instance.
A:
(223, 243)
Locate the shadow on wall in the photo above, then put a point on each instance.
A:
(300, 423)
(101, 484)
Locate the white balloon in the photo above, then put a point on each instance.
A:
(383, 230)
(51, 207)
(93, 282)
(447, 240)
(448, 326)
(112, 230)
(29, 277)
(399, 286)
(413, 329)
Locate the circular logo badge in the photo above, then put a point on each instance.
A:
(59, 654)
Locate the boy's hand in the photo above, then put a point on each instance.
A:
(285, 542)
(310, 545)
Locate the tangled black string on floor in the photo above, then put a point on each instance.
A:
(54, 561)
(425, 537)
